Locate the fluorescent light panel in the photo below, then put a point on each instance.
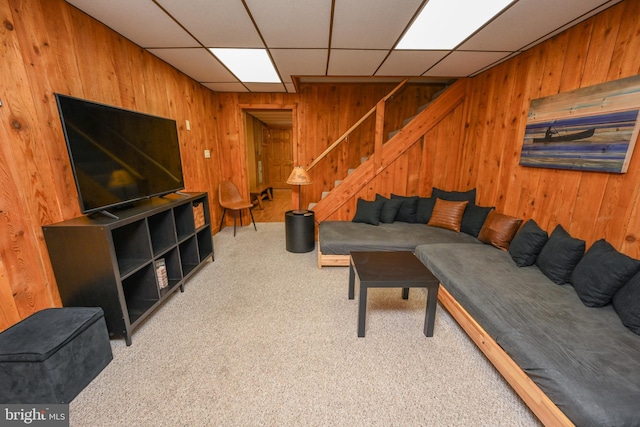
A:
(444, 24)
(248, 65)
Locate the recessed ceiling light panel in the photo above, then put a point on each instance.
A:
(444, 24)
(248, 65)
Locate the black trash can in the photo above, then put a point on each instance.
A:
(300, 231)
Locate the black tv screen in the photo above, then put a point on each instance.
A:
(119, 156)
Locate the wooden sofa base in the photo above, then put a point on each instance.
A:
(529, 392)
(332, 260)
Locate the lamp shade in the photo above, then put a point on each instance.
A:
(299, 176)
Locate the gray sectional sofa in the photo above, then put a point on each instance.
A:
(562, 347)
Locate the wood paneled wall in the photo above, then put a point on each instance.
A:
(590, 205)
(48, 47)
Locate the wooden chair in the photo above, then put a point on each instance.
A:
(229, 198)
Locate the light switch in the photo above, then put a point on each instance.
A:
(207, 154)
(188, 124)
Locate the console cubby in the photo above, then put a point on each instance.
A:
(185, 224)
(163, 232)
(99, 261)
(189, 255)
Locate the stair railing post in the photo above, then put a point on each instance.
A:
(377, 145)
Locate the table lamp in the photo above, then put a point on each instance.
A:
(299, 176)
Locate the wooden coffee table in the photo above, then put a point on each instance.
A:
(392, 270)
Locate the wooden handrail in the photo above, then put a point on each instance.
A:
(326, 152)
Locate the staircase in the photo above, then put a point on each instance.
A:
(427, 116)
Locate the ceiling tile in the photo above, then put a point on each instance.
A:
(293, 24)
(223, 23)
(124, 17)
(198, 64)
(372, 24)
(534, 18)
(463, 64)
(410, 63)
(300, 62)
(355, 62)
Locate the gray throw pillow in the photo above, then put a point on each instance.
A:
(408, 209)
(527, 244)
(601, 273)
(455, 196)
(626, 302)
(368, 212)
(560, 255)
(473, 219)
(390, 208)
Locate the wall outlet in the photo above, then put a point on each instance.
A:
(188, 125)
(207, 154)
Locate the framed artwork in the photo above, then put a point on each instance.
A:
(593, 128)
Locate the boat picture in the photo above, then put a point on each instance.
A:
(551, 135)
(600, 142)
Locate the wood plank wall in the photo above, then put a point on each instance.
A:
(590, 205)
(49, 46)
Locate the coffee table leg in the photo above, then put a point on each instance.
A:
(430, 315)
(405, 293)
(362, 309)
(352, 281)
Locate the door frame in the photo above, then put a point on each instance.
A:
(246, 108)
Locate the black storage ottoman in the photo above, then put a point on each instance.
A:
(52, 355)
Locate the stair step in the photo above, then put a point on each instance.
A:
(350, 171)
(407, 120)
(337, 182)
(392, 134)
(364, 159)
(311, 205)
(325, 194)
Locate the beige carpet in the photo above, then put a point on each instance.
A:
(261, 337)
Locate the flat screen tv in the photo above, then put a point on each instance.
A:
(119, 156)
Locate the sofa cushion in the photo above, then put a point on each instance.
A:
(447, 215)
(344, 237)
(455, 196)
(368, 211)
(560, 255)
(582, 358)
(499, 229)
(601, 273)
(390, 208)
(527, 244)
(473, 219)
(626, 302)
(408, 209)
(425, 209)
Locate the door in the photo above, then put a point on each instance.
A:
(279, 158)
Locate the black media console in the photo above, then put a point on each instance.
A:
(130, 264)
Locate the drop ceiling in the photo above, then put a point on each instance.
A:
(325, 40)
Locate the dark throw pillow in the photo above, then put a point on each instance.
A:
(473, 219)
(408, 209)
(368, 212)
(389, 208)
(527, 244)
(455, 196)
(498, 230)
(447, 214)
(425, 209)
(626, 302)
(601, 273)
(560, 255)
